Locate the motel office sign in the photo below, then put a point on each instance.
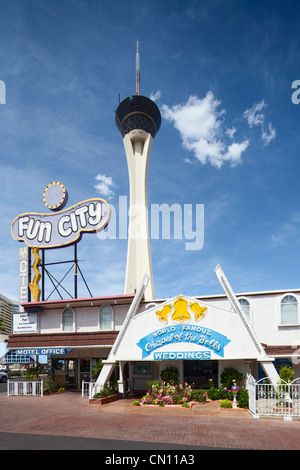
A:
(42, 351)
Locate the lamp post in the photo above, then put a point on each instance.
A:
(234, 390)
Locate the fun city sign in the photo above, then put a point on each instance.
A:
(60, 228)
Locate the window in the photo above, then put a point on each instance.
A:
(246, 308)
(151, 305)
(289, 310)
(106, 317)
(67, 320)
(142, 368)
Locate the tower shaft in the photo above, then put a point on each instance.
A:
(138, 144)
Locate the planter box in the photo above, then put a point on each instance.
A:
(104, 400)
(166, 407)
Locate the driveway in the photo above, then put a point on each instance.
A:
(70, 415)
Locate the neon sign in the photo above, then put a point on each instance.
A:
(61, 228)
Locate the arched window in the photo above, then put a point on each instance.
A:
(68, 320)
(246, 308)
(106, 317)
(289, 310)
(151, 305)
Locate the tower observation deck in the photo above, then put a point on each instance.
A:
(138, 112)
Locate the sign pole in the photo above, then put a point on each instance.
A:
(29, 274)
(43, 274)
(75, 271)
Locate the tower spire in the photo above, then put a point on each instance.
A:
(137, 67)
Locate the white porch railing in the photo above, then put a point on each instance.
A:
(34, 388)
(89, 389)
(265, 399)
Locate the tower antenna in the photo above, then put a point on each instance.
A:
(137, 66)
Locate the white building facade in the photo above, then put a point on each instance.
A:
(199, 336)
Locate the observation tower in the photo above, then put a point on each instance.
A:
(138, 119)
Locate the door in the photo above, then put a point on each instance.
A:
(198, 373)
(84, 370)
(70, 374)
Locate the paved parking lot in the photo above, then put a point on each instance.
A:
(70, 415)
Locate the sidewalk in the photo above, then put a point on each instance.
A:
(69, 414)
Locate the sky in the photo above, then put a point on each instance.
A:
(224, 75)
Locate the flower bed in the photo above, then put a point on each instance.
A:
(107, 394)
(166, 394)
(104, 400)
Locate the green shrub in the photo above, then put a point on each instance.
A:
(286, 373)
(152, 382)
(33, 372)
(243, 398)
(50, 387)
(170, 374)
(14, 374)
(228, 375)
(136, 403)
(29, 374)
(199, 395)
(221, 393)
(225, 404)
(213, 393)
(111, 388)
(185, 405)
(97, 368)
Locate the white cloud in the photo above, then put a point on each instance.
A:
(231, 132)
(105, 185)
(266, 138)
(235, 151)
(256, 117)
(155, 96)
(287, 232)
(199, 123)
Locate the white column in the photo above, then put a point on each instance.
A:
(121, 381)
(138, 144)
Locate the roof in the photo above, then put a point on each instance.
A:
(107, 339)
(282, 350)
(67, 340)
(85, 302)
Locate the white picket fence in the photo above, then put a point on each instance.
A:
(280, 400)
(36, 388)
(89, 389)
(32, 388)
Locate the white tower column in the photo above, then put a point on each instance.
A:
(138, 144)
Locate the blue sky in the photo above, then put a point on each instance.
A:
(221, 73)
